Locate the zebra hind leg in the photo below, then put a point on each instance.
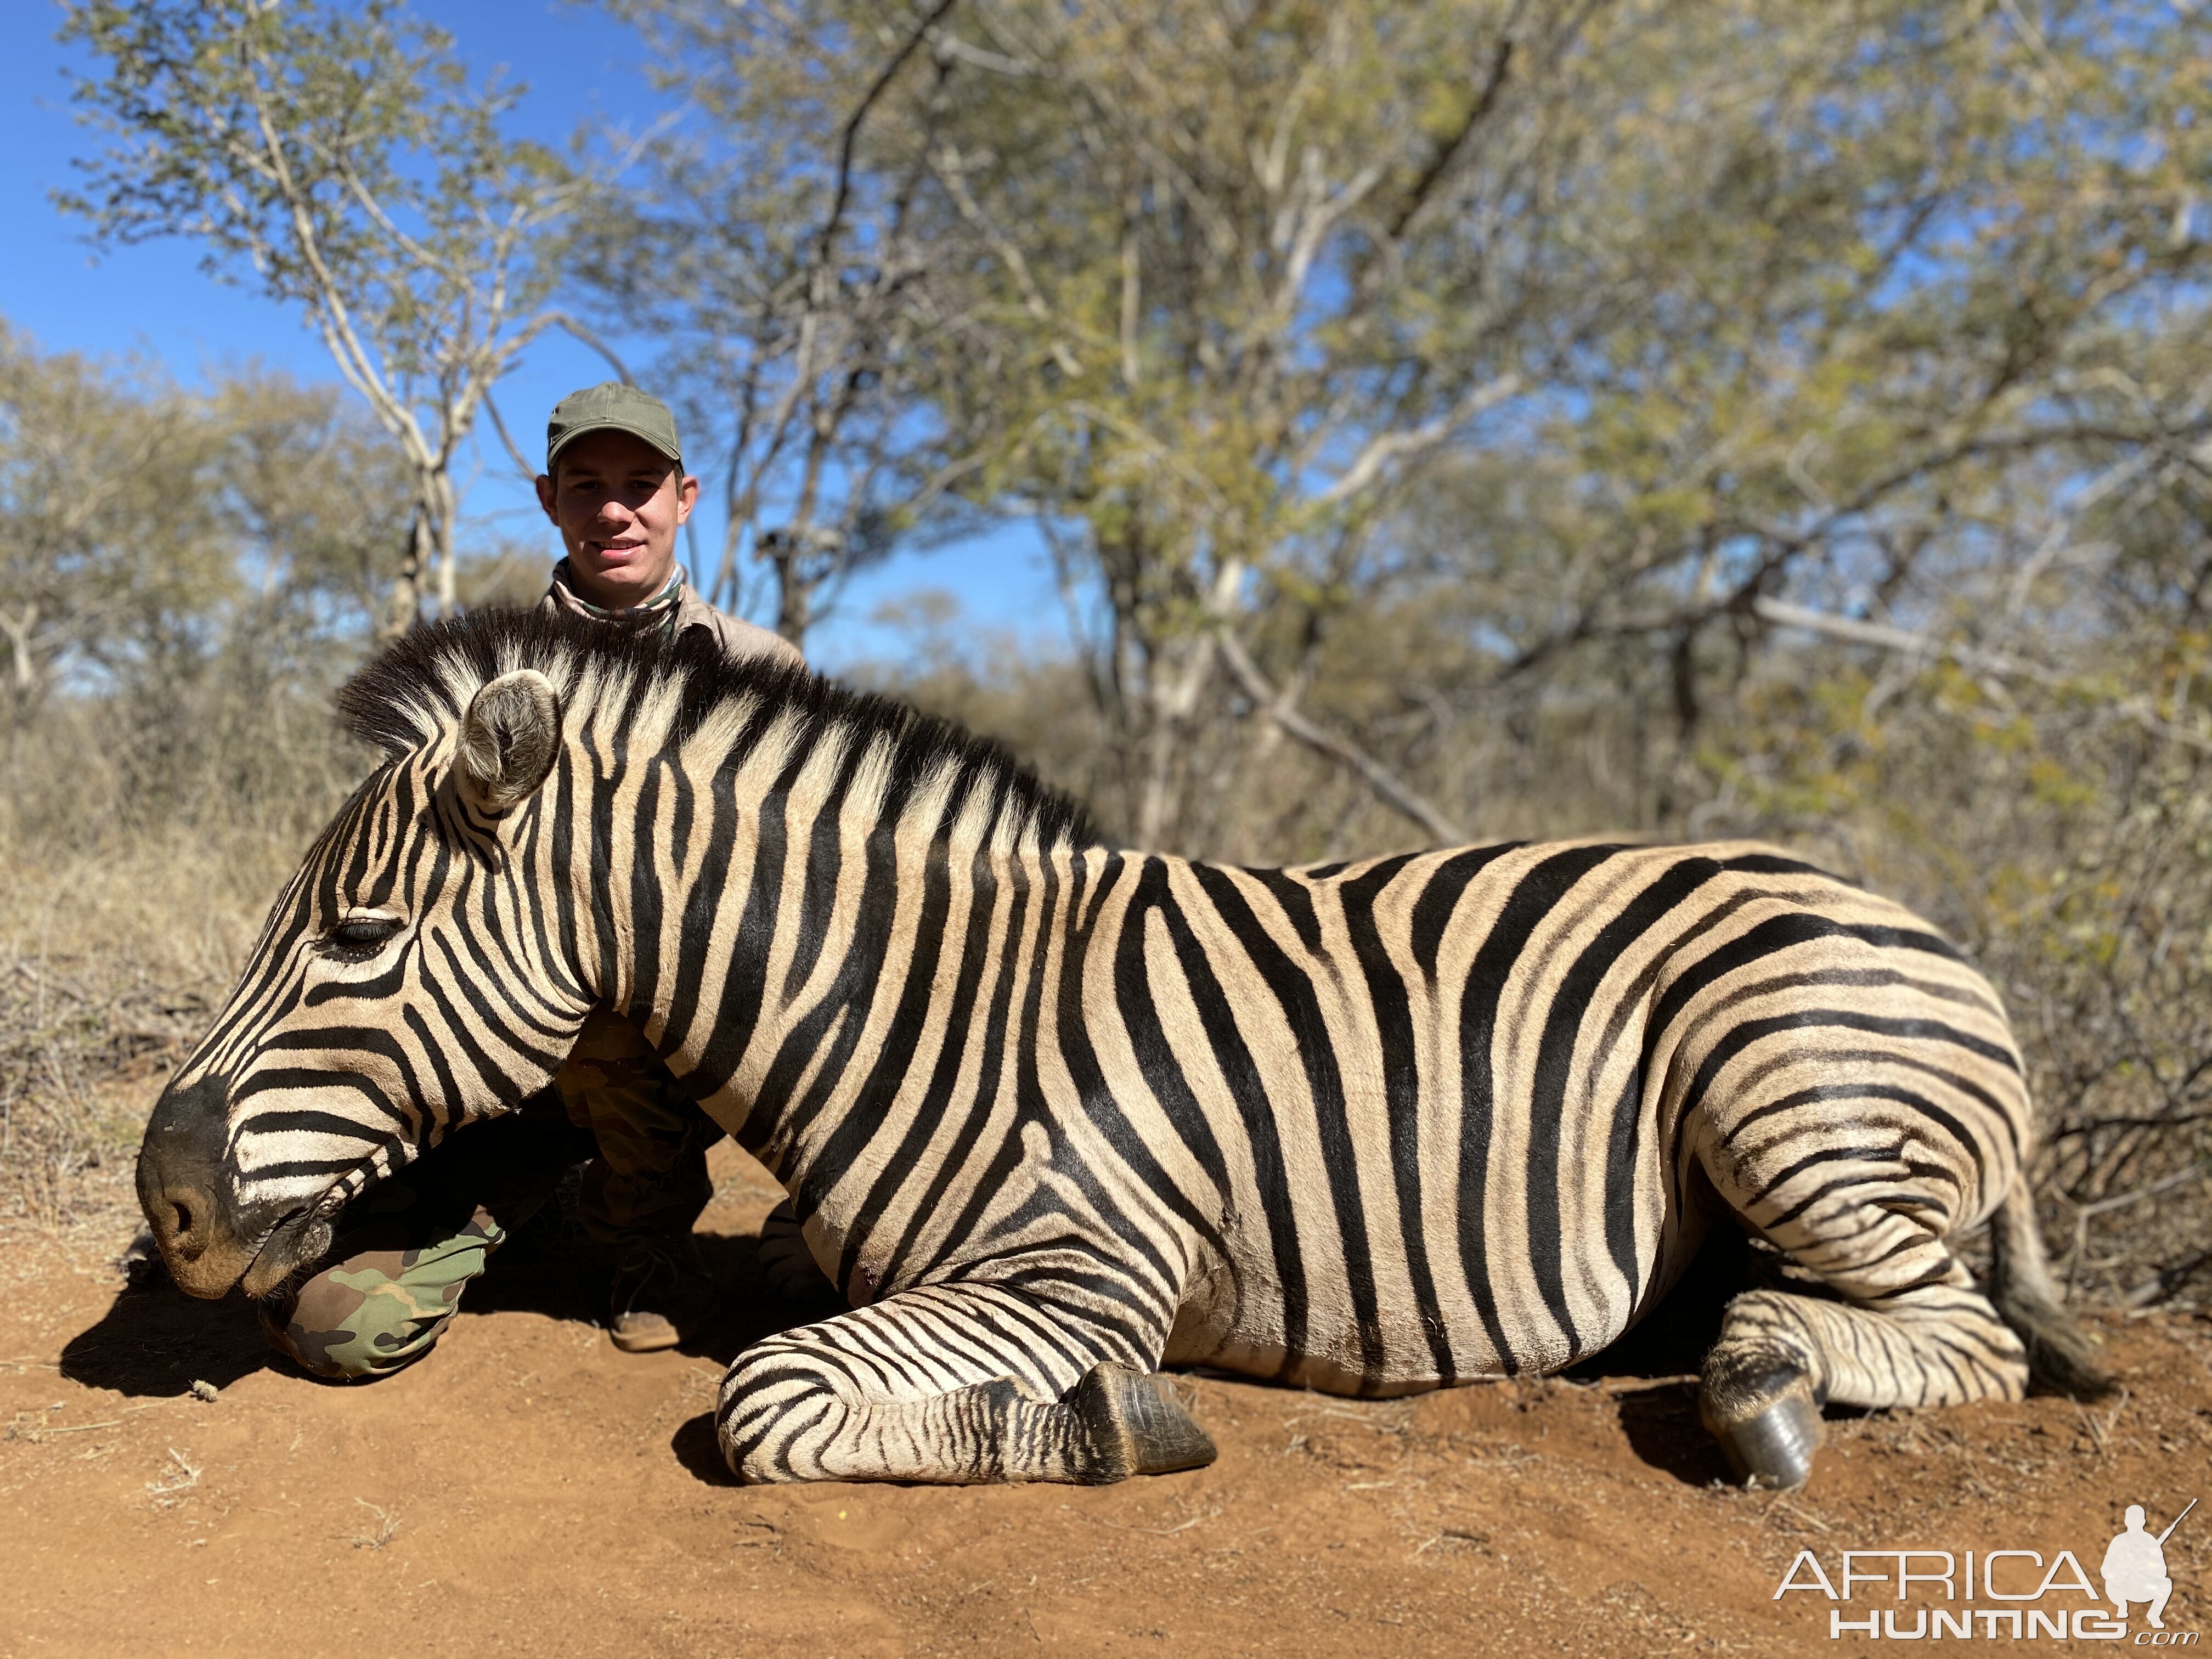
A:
(932, 1385)
(1906, 1327)
(1759, 1398)
(1782, 1356)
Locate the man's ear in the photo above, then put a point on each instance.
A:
(545, 496)
(508, 740)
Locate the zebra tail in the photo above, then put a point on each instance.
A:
(2061, 1355)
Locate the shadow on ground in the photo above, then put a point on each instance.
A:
(570, 1281)
(1661, 1427)
(701, 1453)
(1664, 1347)
(157, 1341)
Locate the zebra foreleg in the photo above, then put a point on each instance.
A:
(1781, 1357)
(788, 1265)
(935, 1384)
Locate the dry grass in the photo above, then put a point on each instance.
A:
(112, 957)
(139, 872)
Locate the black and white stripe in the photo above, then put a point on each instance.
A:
(1052, 1114)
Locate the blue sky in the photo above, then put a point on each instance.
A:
(152, 301)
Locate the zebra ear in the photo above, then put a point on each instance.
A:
(507, 741)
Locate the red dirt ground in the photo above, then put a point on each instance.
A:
(527, 1488)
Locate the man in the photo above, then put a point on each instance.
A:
(616, 489)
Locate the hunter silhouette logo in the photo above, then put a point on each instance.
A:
(2030, 1597)
(2134, 1566)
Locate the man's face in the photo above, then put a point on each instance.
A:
(617, 504)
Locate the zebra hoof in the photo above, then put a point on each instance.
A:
(1768, 1434)
(1136, 1426)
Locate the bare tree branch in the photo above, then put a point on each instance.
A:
(1881, 635)
(1389, 787)
(521, 461)
(1853, 631)
(850, 137)
(1386, 447)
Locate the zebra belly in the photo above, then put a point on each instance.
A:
(1239, 1320)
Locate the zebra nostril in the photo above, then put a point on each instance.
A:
(180, 1229)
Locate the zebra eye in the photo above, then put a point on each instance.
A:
(357, 936)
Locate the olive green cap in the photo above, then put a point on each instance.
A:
(611, 406)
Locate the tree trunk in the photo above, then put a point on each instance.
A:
(794, 589)
(1178, 676)
(444, 510)
(25, 671)
(405, 607)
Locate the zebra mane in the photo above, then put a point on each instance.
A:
(420, 687)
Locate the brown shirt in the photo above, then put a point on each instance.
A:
(737, 637)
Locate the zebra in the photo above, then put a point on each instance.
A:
(1054, 1114)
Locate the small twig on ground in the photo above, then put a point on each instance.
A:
(386, 1525)
(33, 1427)
(1620, 1385)
(1155, 1532)
(1455, 1535)
(2100, 1433)
(1784, 1506)
(183, 1478)
(1386, 1417)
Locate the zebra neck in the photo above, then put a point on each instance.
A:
(838, 1013)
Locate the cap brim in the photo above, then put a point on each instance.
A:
(643, 436)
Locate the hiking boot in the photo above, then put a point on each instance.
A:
(660, 1295)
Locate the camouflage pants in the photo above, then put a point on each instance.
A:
(649, 1180)
(404, 1252)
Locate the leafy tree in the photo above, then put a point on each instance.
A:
(337, 158)
(802, 288)
(1626, 336)
(106, 525)
(154, 530)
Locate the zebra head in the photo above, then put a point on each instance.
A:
(410, 978)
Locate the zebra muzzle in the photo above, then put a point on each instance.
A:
(300, 1237)
(183, 1190)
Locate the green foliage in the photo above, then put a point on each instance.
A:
(337, 158)
(185, 571)
(103, 518)
(1603, 323)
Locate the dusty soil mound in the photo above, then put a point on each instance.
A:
(527, 1488)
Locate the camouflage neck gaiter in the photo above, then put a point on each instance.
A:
(659, 611)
